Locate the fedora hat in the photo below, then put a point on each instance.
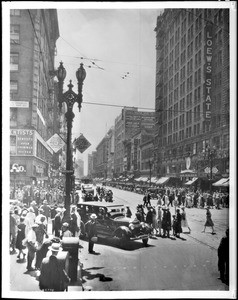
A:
(65, 224)
(93, 216)
(55, 247)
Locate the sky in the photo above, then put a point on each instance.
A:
(115, 43)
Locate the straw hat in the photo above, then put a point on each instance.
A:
(93, 216)
(55, 247)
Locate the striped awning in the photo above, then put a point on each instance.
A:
(162, 180)
(222, 182)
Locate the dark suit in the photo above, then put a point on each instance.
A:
(58, 224)
(91, 230)
(53, 276)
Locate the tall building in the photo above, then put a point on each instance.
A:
(126, 125)
(192, 93)
(79, 168)
(90, 165)
(111, 147)
(33, 36)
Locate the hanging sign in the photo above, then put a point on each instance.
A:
(56, 142)
(81, 143)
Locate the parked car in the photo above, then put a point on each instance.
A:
(112, 223)
(89, 188)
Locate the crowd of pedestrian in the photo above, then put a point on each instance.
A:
(29, 228)
(162, 221)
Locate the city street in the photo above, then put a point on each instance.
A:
(186, 263)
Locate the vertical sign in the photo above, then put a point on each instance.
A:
(208, 72)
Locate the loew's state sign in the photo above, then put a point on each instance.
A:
(81, 143)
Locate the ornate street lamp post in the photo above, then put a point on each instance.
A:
(69, 97)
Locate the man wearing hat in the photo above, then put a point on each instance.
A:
(58, 221)
(31, 244)
(65, 230)
(53, 276)
(53, 213)
(34, 206)
(91, 230)
(46, 210)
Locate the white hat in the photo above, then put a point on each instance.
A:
(93, 216)
(55, 247)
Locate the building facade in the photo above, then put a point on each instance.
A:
(127, 124)
(33, 36)
(192, 93)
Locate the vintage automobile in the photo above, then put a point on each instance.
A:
(112, 223)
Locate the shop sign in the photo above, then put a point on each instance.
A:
(17, 168)
(21, 142)
(19, 104)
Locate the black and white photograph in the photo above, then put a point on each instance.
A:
(119, 150)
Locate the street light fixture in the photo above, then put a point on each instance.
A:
(69, 97)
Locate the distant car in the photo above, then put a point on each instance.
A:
(89, 188)
(112, 223)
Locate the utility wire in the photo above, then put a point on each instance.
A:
(145, 108)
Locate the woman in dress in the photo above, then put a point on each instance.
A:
(177, 227)
(209, 222)
(184, 221)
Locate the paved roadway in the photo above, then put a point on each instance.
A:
(185, 264)
(188, 263)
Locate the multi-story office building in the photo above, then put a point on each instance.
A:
(101, 166)
(192, 92)
(33, 35)
(127, 124)
(140, 153)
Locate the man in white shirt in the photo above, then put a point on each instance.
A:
(31, 244)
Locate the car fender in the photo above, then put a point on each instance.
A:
(122, 230)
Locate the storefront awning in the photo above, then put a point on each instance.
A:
(162, 180)
(144, 179)
(222, 182)
(154, 179)
(191, 181)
